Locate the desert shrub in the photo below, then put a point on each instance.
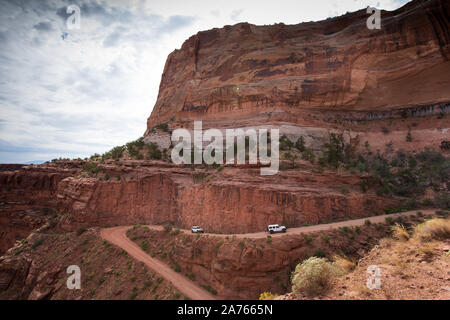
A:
(90, 167)
(162, 126)
(199, 177)
(442, 213)
(290, 157)
(308, 239)
(144, 245)
(269, 239)
(218, 245)
(308, 154)
(114, 153)
(133, 147)
(334, 150)
(153, 152)
(133, 293)
(37, 243)
(285, 143)
(210, 289)
(267, 296)
(168, 228)
(300, 144)
(433, 229)
(344, 264)
(176, 267)
(313, 276)
(409, 136)
(319, 253)
(399, 232)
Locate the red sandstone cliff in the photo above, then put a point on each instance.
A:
(288, 72)
(27, 200)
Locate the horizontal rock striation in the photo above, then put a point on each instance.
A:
(242, 71)
(238, 201)
(27, 200)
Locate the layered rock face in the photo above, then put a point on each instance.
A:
(246, 74)
(27, 199)
(232, 201)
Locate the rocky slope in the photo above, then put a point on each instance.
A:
(409, 270)
(36, 270)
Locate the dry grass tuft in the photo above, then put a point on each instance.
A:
(344, 264)
(399, 232)
(438, 229)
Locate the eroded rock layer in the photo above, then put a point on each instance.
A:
(286, 72)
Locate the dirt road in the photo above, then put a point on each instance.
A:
(117, 236)
(314, 228)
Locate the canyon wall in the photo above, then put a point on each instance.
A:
(285, 72)
(233, 201)
(27, 200)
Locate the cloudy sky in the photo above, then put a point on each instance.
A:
(95, 88)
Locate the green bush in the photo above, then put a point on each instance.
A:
(91, 168)
(114, 153)
(313, 276)
(210, 289)
(144, 245)
(37, 243)
(153, 152)
(300, 144)
(285, 143)
(319, 253)
(308, 239)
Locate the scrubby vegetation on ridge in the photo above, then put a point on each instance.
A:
(414, 260)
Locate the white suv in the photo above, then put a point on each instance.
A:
(272, 228)
(196, 229)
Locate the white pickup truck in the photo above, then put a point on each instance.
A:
(272, 228)
(196, 229)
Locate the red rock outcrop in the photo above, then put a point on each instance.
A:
(246, 74)
(27, 200)
(232, 201)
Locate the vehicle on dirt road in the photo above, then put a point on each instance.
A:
(273, 228)
(196, 229)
